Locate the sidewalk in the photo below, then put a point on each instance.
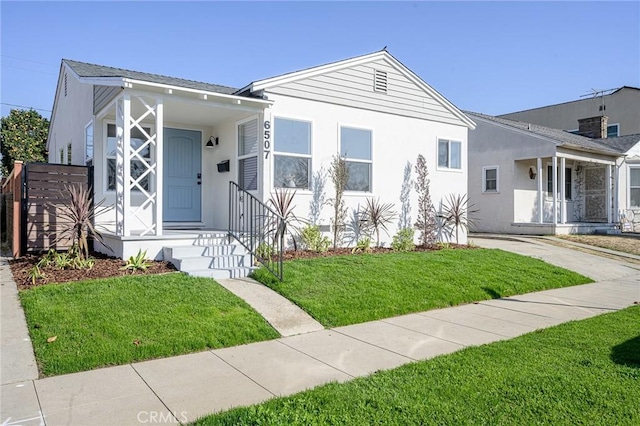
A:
(184, 388)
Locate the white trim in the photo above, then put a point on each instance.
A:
(484, 180)
(258, 154)
(358, 160)
(617, 131)
(540, 192)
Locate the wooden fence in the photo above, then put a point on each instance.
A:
(39, 191)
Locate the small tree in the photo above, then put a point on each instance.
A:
(426, 222)
(457, 213)
(23, 136)
(339, 174)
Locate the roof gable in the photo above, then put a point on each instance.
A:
(416, 95)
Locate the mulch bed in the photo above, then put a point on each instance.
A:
(106, 267)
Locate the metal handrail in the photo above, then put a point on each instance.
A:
(257, 228)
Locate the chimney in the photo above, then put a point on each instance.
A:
(593, 127)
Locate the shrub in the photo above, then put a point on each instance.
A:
(313, 239)
(137, 262)
(403, 240)
(363, 245)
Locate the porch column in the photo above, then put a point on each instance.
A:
(609, 200)
(563, 195)
(540, 195)
(554, 188)
(159, 165)
(123, 164)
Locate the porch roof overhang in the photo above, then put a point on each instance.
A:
(185, 105)
(575, 154)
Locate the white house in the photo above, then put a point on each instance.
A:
(628, 167)
(530, 179)
(166, 149)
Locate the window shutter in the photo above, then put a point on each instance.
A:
(380, 81)
(249, 174)
(248, 137)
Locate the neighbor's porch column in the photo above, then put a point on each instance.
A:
(123, 164)
(609, 203)
(563, 195)
(554, 188)
(540, 195)
(159, 165)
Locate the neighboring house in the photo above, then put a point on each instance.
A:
(166, 149)
(621, 106)
(629, 179)
(530, 179)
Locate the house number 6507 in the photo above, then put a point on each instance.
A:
(267, 139)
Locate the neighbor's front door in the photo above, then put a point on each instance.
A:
(595, 194)
(182, 196)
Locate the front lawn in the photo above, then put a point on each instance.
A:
(113, 321)
(346, 290)
(585, 372)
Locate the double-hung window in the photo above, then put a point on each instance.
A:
(292, 153)
(634, 186)
(356, 148)
(137, 168)
(449, 154)
(490, 179)
(248, 155)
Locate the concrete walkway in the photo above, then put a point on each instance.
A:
(183, 388)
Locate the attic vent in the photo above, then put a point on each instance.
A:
(380, 81)
(65, 84)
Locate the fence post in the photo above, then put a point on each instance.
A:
(17, 208)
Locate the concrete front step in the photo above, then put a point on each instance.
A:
(210, 256)
(221, 273)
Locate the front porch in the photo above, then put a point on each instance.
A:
(568, 193)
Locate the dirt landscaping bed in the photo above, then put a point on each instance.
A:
(623, 243)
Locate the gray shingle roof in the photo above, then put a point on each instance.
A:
(562, 137)
(621, 143)
(84, 69)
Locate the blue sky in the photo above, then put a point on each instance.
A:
(493, 57)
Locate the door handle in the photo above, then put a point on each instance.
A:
(199, 177)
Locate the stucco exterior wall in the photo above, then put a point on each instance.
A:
(73, 112)
(622, 108)
(396, 140)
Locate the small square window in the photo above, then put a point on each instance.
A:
(449, 154)
(490, 179)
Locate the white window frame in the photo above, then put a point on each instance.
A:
(105, 147)
(448, 166)
(549, 194)
(629, 187)
(617, 130)
(88, 157)
(292, 154)
(246, 156)
(358, 160)
(484, 180)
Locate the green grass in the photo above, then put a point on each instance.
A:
(121, 320)
(585, 372)
(352, 289)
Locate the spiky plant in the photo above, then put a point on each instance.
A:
(282, 202)
(76, 219)
(457, 213)
(379, 215)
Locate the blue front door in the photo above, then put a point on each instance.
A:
(182, 176)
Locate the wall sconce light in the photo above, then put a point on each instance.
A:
(213, 141)
(532, 173)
